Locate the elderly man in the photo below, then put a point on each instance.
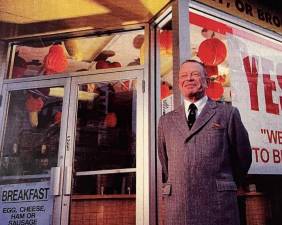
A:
(205, 153)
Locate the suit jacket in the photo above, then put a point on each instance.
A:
(201, 166)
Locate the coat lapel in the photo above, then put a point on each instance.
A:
(206, 114)
(180, 121)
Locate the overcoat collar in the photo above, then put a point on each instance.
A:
(181, 122)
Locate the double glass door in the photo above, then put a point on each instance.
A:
(71, 150)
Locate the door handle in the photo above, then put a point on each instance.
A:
(68, 179)
(55, 181)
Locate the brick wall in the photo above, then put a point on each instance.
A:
(103, 211)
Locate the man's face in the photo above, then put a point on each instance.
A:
(192, 81)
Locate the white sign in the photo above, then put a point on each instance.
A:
(26, 204)
(256, 86)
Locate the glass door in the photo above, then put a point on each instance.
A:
(33, 133)
(105, 158)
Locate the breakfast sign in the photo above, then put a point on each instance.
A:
(26, 204)
(256, 86)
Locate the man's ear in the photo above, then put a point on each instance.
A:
(205, 82)
(208, 80)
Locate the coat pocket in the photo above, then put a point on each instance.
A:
(225, 185)
(216, 130)
(166, 189)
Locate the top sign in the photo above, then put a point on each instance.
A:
(254, 13)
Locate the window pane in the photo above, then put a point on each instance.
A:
(106, 126)
(106, 184)
(78, 54)
(166, 70)
(209, 45)
(32, 131)
(104, 181)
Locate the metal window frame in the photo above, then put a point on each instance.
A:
(96, 33)
(141, 166)
(9, 87)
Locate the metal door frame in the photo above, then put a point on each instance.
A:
(70, 82)
(54, 82)
(141, 165)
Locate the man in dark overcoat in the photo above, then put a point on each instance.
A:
(205, 153)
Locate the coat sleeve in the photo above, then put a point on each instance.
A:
(162, 151)
(240, 145)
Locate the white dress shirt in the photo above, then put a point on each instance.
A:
(200, 105)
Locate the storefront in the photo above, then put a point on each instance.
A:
(81, 96)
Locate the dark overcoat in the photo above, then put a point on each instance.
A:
(202, 166)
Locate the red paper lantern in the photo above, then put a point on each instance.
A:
(214, 90)
(111, 120)
(165, 90)
(166, 41)
(115, 64)
(211, 70)
(57, 117)
(102, 64)
(55, 61)
(212, 52)
(33, 104)
(138, 41)
(105, 64)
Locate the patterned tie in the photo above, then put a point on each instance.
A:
(192, 115)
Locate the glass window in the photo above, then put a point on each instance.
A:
(105, 154)
(209, 45)
(77, 54)
(166, 70)
(104, 184)
(244, 68)
(32, 132)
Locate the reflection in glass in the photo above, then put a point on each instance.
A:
(77, 54)
(105, 133)
(32, 131)
(166, 72)
(210, 47)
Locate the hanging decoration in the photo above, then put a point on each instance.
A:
(165, 46)
(211, 70)
(166, 42)
(55, 61)
(57, 117)
(33, 106)
(111, 120)
(105, 64)
(212, 52)
(214, 90)
(165, 90)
